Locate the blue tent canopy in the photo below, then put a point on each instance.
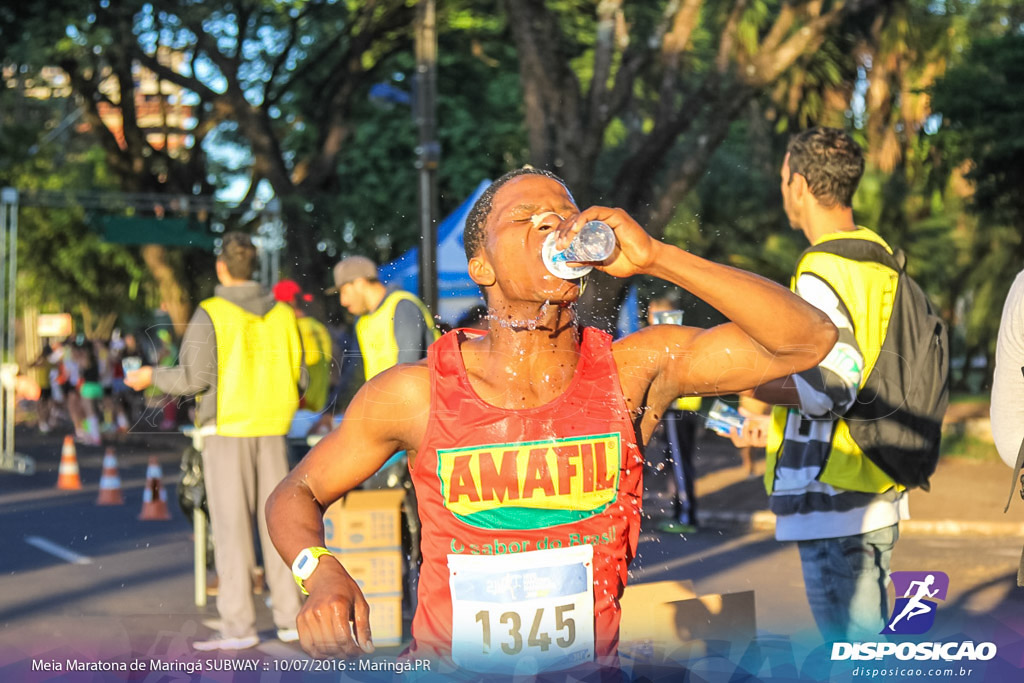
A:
(454, 284)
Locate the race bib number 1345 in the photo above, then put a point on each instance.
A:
(523, 613)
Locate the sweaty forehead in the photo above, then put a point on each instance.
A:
(531, 194)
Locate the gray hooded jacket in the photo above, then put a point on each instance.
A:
(196, 371)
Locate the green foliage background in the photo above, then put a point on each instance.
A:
(931, 90)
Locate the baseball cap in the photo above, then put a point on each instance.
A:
(288, 291)
(352, 268)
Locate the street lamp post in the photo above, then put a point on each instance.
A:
(428, 151)
(9, 460)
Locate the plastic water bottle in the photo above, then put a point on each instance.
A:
(594, 242)
(131, 363)
(724, 419)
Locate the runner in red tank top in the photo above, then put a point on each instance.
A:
(495, 481)
(525, 442)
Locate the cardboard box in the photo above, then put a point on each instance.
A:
(666, 618)
(385, 619)
(376, 572)
(365, 520)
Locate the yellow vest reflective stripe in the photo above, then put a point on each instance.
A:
(868, 291)
(376, 333)
(316, 347)
(258, 363)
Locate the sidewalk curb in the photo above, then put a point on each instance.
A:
(763, 520)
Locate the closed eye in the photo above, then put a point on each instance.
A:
(538, 220)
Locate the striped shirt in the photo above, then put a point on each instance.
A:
(807, 508)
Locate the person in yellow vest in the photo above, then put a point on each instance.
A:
(242, 356)
(392, 326)
(678, 434)
(316, 346)
(840, 508)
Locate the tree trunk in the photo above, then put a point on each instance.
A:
(172, 294)
(301, 259)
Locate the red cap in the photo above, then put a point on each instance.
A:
(288, 290)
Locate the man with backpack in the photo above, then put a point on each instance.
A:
(849, 437)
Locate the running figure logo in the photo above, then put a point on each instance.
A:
(914, 612)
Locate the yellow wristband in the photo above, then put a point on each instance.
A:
(305, 563)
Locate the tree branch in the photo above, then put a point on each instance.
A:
(318, 60)
(333, 127)
(192, 83)
(778, 31)
(228, 67)
(769, 65)
(672, 47)
(633, 178)
(551, 91)
(361, 39)
(250, 194)
(683, 25)
(88, 89)
(683, 177)
(728, 41)
(244, 13)
(283, 56)
(604, 48)
(633, 62)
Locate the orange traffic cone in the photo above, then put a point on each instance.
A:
(110, 482)
(67, 477)
(154, 498)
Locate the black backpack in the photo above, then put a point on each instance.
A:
(897, 417)
(192, 483)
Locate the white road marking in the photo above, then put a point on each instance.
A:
(57, 551)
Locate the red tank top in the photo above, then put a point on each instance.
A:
(494, 481)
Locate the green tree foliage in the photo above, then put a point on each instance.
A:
(629, 102)
(480, 131)
(678, 111)
(280, 95)
(63, 265)
(256, 73)
(982, 108)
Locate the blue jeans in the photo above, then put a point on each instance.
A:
(846, 580)
(681, 434)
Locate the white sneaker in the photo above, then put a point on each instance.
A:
(219, 642)
(288, 635)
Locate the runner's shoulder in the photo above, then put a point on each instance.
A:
(403, 381)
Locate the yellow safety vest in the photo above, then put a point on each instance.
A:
(868, 291)
(259, 359)
(376, 333)
(316, 347)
